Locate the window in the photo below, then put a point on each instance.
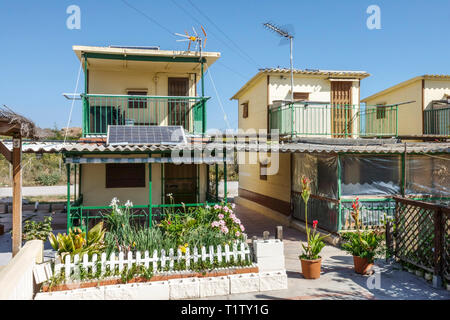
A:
(245, 110)
(137, 103)
(125, 175)
(263, 171)
(381, 111)
(301, 96)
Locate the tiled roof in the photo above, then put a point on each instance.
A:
(318, 72)
(307, 72)
(56, 147)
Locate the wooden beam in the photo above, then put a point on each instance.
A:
(17, 195)
(5, 152)
(8, 129)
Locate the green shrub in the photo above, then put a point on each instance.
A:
(48, 179)
(37, 230)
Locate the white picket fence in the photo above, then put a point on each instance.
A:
(159, 260)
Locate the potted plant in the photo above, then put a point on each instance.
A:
(364, 245)
(310, 259)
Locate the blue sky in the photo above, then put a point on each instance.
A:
(38, 64)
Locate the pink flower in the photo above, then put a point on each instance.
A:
(217, 206)
(168, 222)
(233, 216)
(221, 216)
(222, 222)
(238, 233)
(242, 227)
(237, 221)
(224, 229)
(233, 205)
(215, 224)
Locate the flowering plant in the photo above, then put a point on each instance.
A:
(365, 243)
(226, 220)
(315, 242)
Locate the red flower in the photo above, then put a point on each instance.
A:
(315, 222)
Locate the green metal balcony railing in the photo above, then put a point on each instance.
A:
(437, 121)
(337, 121)
(99, 111)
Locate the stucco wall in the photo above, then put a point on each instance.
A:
(95, 193)
(118, 82)
(409, 115)
(257, 107)
(276, 186)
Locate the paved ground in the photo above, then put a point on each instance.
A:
(38, 191)
(338, 280)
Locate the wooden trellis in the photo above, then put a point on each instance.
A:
(421, 235)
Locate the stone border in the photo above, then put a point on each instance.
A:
(160, 276)
(186, 288)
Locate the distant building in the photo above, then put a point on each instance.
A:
(429, 110)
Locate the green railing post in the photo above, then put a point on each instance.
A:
(150, 204)
(217, 181)
(292, 119)
(225, 191)
(69, 220)
(396, 120)
(339, 172)
(203, 101)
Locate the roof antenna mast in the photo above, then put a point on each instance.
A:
(286, 35)
(194, 38)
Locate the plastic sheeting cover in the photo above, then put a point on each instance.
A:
(370, 174)
(428, 174)
(320, 169)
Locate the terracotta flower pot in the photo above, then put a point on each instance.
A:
(362, 265)
(311, 268)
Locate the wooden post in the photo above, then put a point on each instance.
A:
(17, 195)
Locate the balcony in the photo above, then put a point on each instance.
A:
(100, 110)
(334, 121)
(437, 121)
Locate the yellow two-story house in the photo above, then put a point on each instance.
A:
(348, 150)
(134, 100)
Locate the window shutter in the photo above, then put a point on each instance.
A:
(125, 175)
(245, 110)
(301, 96)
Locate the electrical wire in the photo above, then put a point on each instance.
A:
(225, 116)
(224, 34)
(219, 39)
(148, 17)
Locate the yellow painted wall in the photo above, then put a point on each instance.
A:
(257, 107)
(409, 115)
(156, 84)
(276, 186)
(95, 193)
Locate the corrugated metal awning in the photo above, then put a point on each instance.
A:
(180, 160)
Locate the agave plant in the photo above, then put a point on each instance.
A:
(77, 242)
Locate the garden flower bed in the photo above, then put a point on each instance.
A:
(199, 242)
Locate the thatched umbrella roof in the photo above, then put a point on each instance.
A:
(13, 124)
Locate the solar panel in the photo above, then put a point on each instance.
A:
(145, 135)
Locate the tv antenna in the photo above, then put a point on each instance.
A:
(194, 38)
(289, 36)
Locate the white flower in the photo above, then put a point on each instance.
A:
(128, 204)
(114, 202)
